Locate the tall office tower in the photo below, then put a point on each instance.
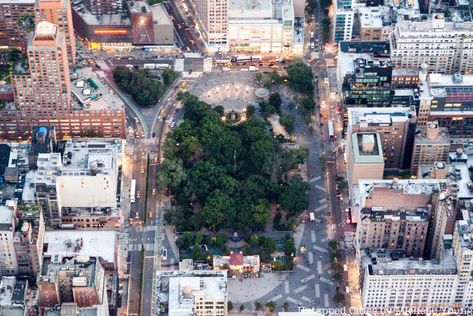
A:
(46, 91)
(445, 47)
(58, 12)
(16, 20)
(8, 264)
(213, 17)
(396, 127)
(100, 7)
(343, 21)
(430, 147)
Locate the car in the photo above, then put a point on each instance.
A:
(154, 191)
(142, 170)
(172, 124)
(179, 26)
(138, 194)
(187, 28)
(192, 42)
(164, 254)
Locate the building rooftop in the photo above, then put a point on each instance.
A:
(7, 285)
(160, 15)
(250, 9)
(6, 214)
(413, 28)
(90, 157)
(378, 116)
(184, 287)
(379, 214)
(139, 7)
(375, 48)
(417, 186)
(80, 243)
(385, 262)
(434, 135)
(372, 17)
(93, 93)
(17, 1)
(367, 148)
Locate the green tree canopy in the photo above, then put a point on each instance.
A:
(299, 76)
(293, 198)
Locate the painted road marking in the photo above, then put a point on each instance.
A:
(311, 257)
(327, 281)
(300, 266)
(286, 287)
(292, 300)
(298, 290)
(322, 200)
(319, 248)
(315, 179)
(277, 297)
(312, 235)
(319, 267)
(326, 301)
(324, 239)
(305, 298)
(321, 208)
(321, 188)
(317, 290)
(307, 279)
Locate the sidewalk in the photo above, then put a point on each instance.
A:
(171, 237)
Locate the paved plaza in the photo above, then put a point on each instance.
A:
(233, 91)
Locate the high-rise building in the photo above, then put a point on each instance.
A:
(364, 157)
(396, 127)
(8, 264)
(463, 251)
(213, 17)
(100, 7)
(263, 26)
(28, 242)
(448, 100)
(58, 12)
(16, 21)
(430, 146)
(410, 216)
(343, 21)
(47, 89)
(444, 46)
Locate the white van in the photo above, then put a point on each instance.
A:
(312, 216)
(225, 69)
(312, 45)
(253, 68)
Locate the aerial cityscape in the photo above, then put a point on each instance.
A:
(236, 157)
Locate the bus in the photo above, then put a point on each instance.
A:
(222, 61)
(132, 191)
(162, 66)
(246, 59)
(331, 132)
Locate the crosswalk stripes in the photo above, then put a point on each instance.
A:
(276, 298)
(307, 279)
(305, 298)
(319, 267)
(311, 257)
(326, 300)
(319, 248)
(321, 208)
(327, 281)
(292, 300)
(286, 287)
(321, 188)
(315, 179)
(322, 200)
(312, 235)
(300, 289)
(300, 266)
(317, 290)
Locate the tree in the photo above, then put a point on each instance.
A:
(337, 277)
(260, 213)
(285, 306)
(278, 265)
(299, 76)
(259, 77)
(333, 244)
(339, 297)
(250, 111)
(242, 308)
(220, 110)
(275, 78)
(217, 209)
(266, 109)
(171, 174)
(229, 305)
(271, 306)
(197, 252)
(293, 197)
(275, 101)
(289, 247)
(288, 121)
(257, 305)
(169, 76)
